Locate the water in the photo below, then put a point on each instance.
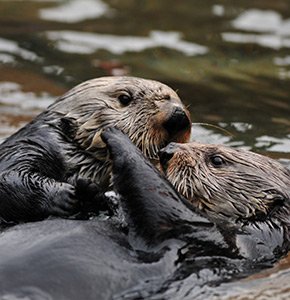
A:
(229, 61)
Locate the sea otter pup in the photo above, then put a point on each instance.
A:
(225, 182)
(58, 159)
(237, 189)
(167, 251)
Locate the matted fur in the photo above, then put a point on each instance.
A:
(94, 105)
(245, 186)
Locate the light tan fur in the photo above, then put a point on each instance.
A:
(247, 185)
(94, 105)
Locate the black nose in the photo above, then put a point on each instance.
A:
(166, 154)
(177, 122)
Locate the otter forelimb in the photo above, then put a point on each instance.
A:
(35, 180)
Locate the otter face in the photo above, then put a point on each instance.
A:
(149, 112)
(225, 182)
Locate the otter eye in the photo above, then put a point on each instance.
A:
(125, 99)
(217, 160)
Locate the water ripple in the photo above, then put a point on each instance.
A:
(270, 29)
(75, 11)
(12, 95)
(87, 43)
(274, 144)
(11, 47)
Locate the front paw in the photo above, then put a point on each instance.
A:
(91, 196)
(63, 201)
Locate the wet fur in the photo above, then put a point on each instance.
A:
(167, 250)
(58, 161)
(247, 186)
(65, 259)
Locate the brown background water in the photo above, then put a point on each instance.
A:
(229, 61)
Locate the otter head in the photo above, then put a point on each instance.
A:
(149, 112)
(226, 183)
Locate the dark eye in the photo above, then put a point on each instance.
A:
(217, 160)
(125, 99)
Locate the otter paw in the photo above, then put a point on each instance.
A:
(86, 190)
(116, 142)
(112, 137)
(91, 196)
(64, 202)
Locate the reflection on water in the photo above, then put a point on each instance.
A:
(86, 43)
(204, 135)
(269, 284)
(229, 61)
(11, 47)
(12, 95)
(218, 10)
(18, 107)
(282, 61)
(262, 21)
(265, 40)
(274, 144)
(75, 11)
(276, 30)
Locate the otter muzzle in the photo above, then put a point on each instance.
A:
(177, 122)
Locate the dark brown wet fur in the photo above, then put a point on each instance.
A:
(168, 250)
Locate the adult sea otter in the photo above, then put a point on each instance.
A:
(56, 161)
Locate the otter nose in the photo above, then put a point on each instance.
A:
(178, 121)
(166, 154)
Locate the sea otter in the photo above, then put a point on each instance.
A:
(167, 250)
(247, 191)
(225, 182)
(59, 159)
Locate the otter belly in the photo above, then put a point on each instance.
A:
(63, 259)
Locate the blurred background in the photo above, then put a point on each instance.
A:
(228, 60)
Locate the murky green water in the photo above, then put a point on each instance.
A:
(229, 60)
